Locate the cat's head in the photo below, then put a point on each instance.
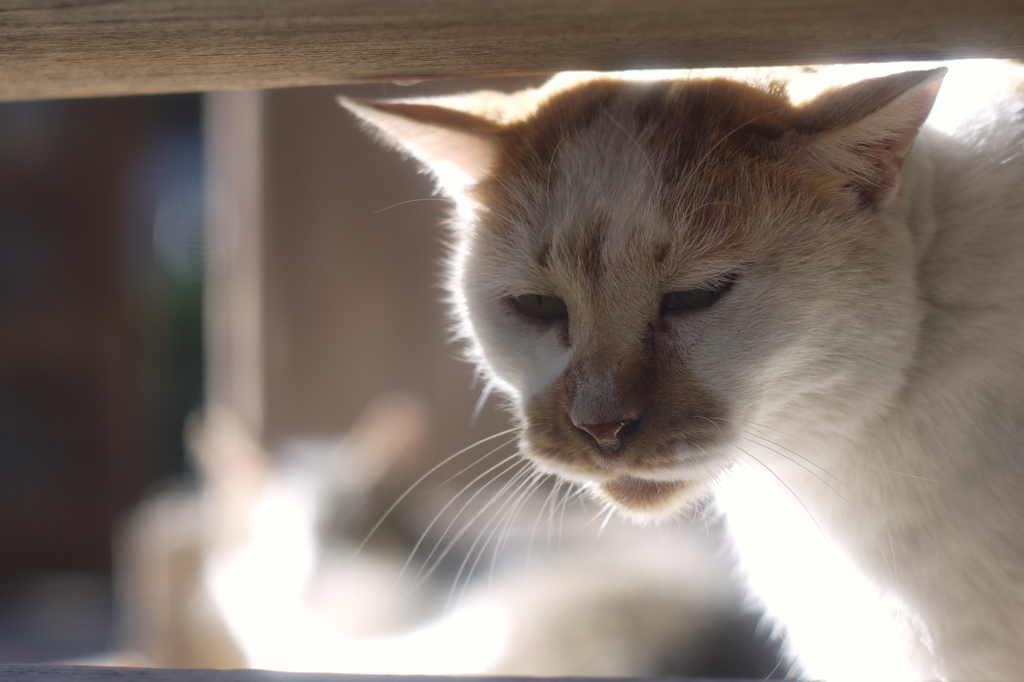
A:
(651, 270)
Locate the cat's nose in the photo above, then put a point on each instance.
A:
(608, 434)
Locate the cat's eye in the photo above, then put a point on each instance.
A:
(694, 299)
(540, 307)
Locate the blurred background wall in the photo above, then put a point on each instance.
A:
(327, 253)
(100, 341)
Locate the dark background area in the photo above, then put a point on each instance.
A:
(100, 346)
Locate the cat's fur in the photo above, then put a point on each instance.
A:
(864, 369)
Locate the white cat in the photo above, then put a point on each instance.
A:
(782, 291)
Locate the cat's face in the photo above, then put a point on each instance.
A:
(652, 270)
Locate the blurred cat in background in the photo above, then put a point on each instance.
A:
(282, 560)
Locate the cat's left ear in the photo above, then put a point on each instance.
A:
(459, 148)
(864, 132)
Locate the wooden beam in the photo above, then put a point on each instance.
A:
(74, 48)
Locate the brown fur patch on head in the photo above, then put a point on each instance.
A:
(591, 251)
(718, 146)
(682, 122)
(542, 254)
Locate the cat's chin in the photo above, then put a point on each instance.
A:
(645, 498)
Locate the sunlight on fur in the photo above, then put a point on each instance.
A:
(814, 583)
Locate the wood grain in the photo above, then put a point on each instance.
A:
(72, 48)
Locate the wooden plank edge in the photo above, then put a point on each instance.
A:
(78, 48)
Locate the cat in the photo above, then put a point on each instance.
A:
(799, 291)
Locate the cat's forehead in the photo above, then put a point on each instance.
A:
(631, 169)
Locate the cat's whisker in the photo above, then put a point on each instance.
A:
(569, 495)
(520, 480)
(507, 485)
(709, 152)
(473, 464)
(607, 518)
(531, 486)
(515, 461)
(643, 154)
(536, 480)
(511, 220)
(579, 495)
(411, 201)
(558, 517)
(550, 502)
(432, 562)
(890, 564)
(420, 480)
(693, 210)
(784, 451)
(769, 675)
(830, 451)
(706, 484)
(493, 523)
(772, 444)
(599, 513)
(468, 555)
(520, 496)
(792, 493)
(485, 393)
(558, 510)
(551, 162)
(890, 559)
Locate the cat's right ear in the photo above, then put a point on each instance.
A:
(459, 148)
(865, 131)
